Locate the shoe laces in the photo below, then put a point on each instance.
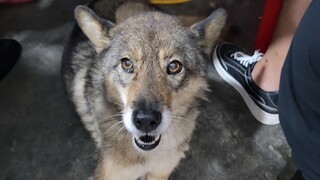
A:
(246, 59)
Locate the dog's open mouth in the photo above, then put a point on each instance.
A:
(147, 142)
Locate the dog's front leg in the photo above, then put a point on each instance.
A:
(161, 168)
(107, 169)
(157, 177)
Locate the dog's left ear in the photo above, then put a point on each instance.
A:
(208, 30)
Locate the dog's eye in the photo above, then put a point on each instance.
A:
(174, 67)
(127, 65)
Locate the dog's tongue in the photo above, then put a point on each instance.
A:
(147, 139)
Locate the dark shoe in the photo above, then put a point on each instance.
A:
(234, 65)
(297, 176)
(10, 51)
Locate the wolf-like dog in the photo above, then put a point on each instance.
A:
(135, 84)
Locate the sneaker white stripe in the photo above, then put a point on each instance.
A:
(262, 116)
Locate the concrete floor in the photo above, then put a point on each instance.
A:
(42, 138)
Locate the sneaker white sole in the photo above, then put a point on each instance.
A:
(262, 116)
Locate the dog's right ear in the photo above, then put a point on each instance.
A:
(94, 27)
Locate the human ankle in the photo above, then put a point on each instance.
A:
(266, 74)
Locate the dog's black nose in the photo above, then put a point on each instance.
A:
(146, 121)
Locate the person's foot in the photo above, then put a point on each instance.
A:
(10, 51)
(298, 176)
(234, 65)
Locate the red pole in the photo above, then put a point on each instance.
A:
(268, 23)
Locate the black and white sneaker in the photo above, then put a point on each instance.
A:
(234, 65)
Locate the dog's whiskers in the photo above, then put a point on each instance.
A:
(120, 130)
(175, 120)
(114, 115)
(116, 103)
(112, 127)
(179, 119)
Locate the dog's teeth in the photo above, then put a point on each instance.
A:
(146, 143)
(140, 142)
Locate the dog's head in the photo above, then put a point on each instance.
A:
(155, 68)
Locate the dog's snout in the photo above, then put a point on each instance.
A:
(146, 121)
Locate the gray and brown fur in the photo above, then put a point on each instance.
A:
(103, 93)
